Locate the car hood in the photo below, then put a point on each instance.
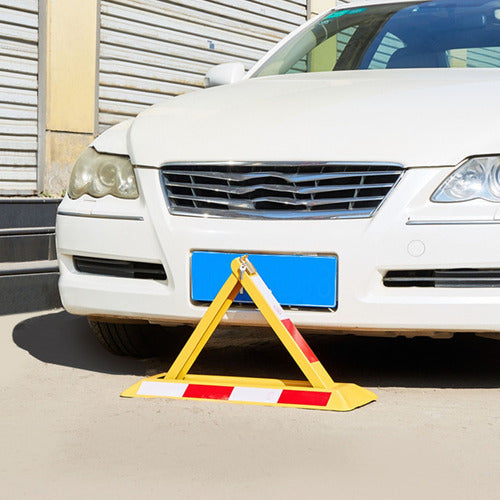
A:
(424, 117)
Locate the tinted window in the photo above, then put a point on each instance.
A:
(420, 34)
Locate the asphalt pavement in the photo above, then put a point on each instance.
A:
(66, 433)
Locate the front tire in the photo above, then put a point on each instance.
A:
(124, 339)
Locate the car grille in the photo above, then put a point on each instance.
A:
(278, 190)
(444, 278)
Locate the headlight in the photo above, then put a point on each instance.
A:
(98, 174)
(478, 178)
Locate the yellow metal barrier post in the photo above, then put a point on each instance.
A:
(319, 391)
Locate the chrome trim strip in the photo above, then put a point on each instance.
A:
(101, 216)
(450, 222)
(281, 163)
(285, 215)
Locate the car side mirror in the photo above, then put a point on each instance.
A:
(225, 74)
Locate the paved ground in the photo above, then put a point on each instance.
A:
(65, 433)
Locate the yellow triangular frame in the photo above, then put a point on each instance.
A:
(319, 391)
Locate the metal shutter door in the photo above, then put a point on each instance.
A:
(153, 49)
(18, 96)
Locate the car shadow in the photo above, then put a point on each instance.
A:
(465, 361)
(62, 339)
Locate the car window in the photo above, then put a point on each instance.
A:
(388, 46)
(419, 34)
(479, 57)
(324, 57)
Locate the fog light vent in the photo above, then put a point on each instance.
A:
(444, 278)
(120, 268)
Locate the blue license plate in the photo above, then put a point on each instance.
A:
(295, 280)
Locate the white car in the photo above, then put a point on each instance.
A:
(358, 163)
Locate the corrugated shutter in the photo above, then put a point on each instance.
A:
(18, 96)
(153, 49)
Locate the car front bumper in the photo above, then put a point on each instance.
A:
(408, 232)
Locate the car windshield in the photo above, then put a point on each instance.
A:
(420, 34)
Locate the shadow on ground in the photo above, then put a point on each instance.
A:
(465, 361)
(62, 339)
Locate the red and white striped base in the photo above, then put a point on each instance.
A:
(236, 394)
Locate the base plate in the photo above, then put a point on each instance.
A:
(268, 392)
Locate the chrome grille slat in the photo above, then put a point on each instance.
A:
(276, 187)
(294, 178)
(278, 190)
(277, 200)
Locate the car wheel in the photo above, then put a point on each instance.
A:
(124, 339)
